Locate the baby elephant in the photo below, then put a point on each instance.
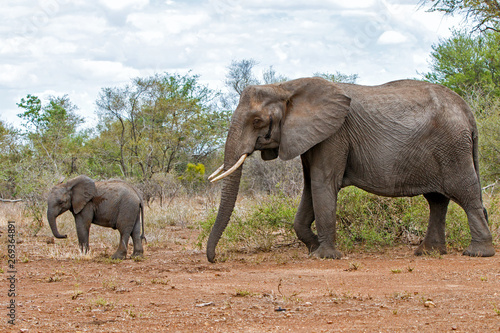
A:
(113, 204)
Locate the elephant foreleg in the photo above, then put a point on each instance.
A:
(304, 219)
(305, 213)
(325, 205)
(82, 231)
(434, 239)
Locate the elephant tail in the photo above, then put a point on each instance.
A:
(143, 237)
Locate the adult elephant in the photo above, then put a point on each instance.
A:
(402, 138)
(113, 204)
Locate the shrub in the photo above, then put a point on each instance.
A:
(363, 220)
(266, 223)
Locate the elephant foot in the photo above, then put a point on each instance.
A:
(427, 248)
(327, 252)
(119, 255)
(84, 249)
(476, 249)
(312, 247)
(311, 242)
(137, 254)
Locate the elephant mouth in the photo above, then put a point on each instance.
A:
(265, 143)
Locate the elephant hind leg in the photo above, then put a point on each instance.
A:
(121, 252)
(469, 198)
(481, 240)
(137, 239)
(435, 239)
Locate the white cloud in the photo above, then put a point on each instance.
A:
(170, 22)
(107, 71)
(122, 4)
(78, 47)
(392, 37)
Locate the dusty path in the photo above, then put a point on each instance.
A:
(175, 289)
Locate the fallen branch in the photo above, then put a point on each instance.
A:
(488, 186)
(10, 200)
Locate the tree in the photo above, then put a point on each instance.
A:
(484, 13)
(465, 62)
(270, 76)
(338, 77)
(10, 155)
(51, 129)
(157, 122)
(240, 75)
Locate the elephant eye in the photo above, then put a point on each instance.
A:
(257, 123)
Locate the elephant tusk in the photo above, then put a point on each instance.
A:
(216, 172)
(231, 170)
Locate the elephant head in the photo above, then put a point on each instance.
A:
(74, 195)
(284, 119)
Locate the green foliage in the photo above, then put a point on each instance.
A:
(465, 62)
(338, 77)
(193, 176)
(155, 123)
(372, 221)
(51, 132)
(489, 145)
(10, 156)
(364, 220)
(266, 224)
(485, 14)
(194, 172)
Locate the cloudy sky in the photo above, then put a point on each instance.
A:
(77, 47)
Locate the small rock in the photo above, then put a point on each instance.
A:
(429, 304)
(204, 304)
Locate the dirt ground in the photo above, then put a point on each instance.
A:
(175, 289)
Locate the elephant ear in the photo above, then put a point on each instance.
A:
(315, 110)
(82, 191)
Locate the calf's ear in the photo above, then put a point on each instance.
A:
(82, 191)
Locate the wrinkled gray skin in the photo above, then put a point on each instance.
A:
(113, 204)
(402, 138)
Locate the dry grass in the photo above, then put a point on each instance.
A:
(164, 228)
(176, 214)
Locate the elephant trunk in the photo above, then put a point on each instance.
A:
(229, 191)
(51, 217)
(227, 202)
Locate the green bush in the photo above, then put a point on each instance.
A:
(266, 223)
(193, 177)
(373, 221)
(364, 220)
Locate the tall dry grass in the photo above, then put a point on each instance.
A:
(259, 223)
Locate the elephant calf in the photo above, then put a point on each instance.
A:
(113, 204)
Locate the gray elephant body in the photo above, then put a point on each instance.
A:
(403, 138)
(113, 204)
